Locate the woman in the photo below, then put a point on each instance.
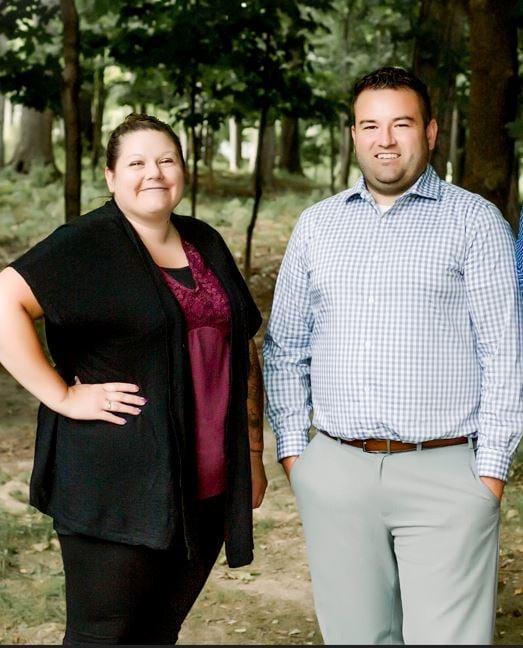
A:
(149, 442)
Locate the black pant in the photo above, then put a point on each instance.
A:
(128, 594)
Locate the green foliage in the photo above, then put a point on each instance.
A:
(29, 53)
(359, 37)
(32, 205)
(204, 60)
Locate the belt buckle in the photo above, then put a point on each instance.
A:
(365, 449)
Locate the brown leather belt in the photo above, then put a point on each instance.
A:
(388, 446)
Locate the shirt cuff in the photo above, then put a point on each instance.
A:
(492, 463)
(291, 444)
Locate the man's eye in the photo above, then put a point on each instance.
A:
(403, 125)
(369, 127)
(136, 163)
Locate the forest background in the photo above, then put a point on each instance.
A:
(260, 93)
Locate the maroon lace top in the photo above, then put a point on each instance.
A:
(208, 320)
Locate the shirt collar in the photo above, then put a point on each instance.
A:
(428, 185)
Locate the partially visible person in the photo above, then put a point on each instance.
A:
(396, 325)
(149, 441)
(519, 252)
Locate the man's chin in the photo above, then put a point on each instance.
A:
(389, 186)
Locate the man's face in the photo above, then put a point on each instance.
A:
(391, 141)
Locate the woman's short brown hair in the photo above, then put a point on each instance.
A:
(136, 122)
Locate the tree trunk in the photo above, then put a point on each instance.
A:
(436, 61)
(208, 156)
(290, 145)
(2, 118)
(513, 204)
(258, 190)
(345, 151)
(457, 146)
(35, 141)
(268, 152)
(489, 160)
(332, 157)
(70, 101)
(85, 109)
(195, 146)
(235, 144)
(99, 105)
(345, 136)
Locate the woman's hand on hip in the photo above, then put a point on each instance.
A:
(101, 402)
(258, 479)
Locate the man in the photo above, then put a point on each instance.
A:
(396, 323)
(519, 252)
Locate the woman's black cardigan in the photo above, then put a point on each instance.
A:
(110, 317)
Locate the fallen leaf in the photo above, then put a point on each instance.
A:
(229, 576)
(40, 546)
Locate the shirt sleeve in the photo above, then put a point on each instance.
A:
(287, 352)
(45, 268)
(496, 315)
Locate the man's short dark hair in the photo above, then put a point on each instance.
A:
(394, 78)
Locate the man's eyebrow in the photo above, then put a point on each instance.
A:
(395, 119)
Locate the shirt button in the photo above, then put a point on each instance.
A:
(366, 389)
(367, 345)
(371, 300)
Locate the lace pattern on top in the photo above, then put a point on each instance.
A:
(205, 305)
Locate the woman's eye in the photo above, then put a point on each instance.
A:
(166, 160)
(136, 163)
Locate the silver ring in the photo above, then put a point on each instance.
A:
(109, 404)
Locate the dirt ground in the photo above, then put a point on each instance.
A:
(268, 602)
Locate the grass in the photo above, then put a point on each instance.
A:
(31, 587)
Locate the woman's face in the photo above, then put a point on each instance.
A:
(148, 177)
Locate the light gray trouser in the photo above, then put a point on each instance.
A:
(402, 548)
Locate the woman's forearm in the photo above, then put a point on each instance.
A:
(21, 352)
(255, 400)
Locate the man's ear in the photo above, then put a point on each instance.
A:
(432, 133)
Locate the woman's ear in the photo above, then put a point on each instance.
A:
(109, 178)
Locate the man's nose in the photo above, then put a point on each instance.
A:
(387, 136)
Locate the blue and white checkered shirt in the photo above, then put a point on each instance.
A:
(519, 252)
(402, 326)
